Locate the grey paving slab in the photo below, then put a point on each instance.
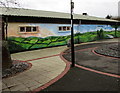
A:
(41, 72)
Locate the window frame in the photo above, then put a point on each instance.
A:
(64, 28)
(31, 27)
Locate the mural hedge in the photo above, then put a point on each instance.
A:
(17, 44)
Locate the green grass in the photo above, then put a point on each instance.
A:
(17, 44)
(36, 46)
(113, 33)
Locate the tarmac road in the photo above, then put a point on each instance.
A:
(81, 80)
(78, 79)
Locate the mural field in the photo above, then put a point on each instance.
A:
(18, 44)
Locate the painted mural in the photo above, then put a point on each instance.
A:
(45, 30)
(24, 36)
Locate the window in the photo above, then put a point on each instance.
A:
(68, 28)
(34, 28)
(64, 28)
(60, 28)
(22, 29)
(28, 29)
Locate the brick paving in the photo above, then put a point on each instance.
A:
(45, 68)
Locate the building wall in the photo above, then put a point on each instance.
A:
(13, 30)
(45, 30)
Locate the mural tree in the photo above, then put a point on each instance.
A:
(116, 27)
(100, 34)
(6, 58)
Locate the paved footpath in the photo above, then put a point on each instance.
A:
(46, 66)
(82, 79)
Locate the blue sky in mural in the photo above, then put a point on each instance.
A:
(90, 28)
(77, 28)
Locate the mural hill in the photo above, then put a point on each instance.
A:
(18, 44)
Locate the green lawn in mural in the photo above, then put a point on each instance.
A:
(17, 44)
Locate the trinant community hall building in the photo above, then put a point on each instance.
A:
(38, 23)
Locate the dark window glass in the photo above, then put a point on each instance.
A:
(22, 29)
(60, 28)
(64, 28)
(68, 28)
(34, 28)
(28, 29)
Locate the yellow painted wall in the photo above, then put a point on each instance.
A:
(13, 30)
